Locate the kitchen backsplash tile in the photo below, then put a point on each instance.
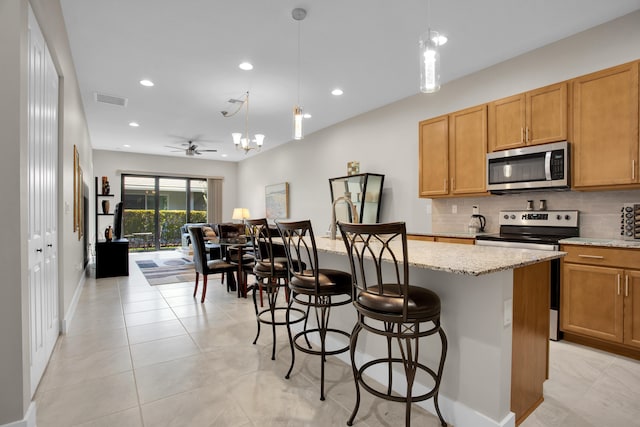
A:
(599, 210)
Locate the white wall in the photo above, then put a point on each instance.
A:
(113, 163)
(386, 140)
(14, 333)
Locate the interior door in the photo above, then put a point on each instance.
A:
(44, 325)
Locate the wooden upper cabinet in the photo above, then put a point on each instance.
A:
(467, 150)
(433, 166)
(506, 123)
(605, 128)
(535, 117)
(547, 112)
(452, 154)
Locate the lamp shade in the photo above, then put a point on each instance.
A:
(429, 62)
(240, 214)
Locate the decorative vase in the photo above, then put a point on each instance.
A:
(108, 234)
(105, 206)
(106, 188)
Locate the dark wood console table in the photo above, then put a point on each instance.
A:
(112, 258)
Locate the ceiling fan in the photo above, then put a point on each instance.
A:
(190, 149)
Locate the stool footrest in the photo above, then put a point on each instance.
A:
(307, 350)
(397, 398)
(267, 319)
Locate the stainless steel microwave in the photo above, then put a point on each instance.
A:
(538, 167)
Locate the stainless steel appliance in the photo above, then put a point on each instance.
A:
(630, 221)
(538, 167)
(539, 230)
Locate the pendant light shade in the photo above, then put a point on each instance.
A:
(297, 122)
(429, 57)
(298, 14)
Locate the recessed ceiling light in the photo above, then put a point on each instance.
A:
(337, 92)
(306, 115)
(133, 124)
(126, 145)
(146, 82)
(247, 66)
(224, 155)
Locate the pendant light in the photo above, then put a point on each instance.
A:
(429, 57)
(243, 141)
(298, 14)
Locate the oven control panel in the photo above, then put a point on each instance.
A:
(540, 218)
(630, 221)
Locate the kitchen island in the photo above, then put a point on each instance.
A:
(495, 312)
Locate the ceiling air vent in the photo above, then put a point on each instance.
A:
(110, 99)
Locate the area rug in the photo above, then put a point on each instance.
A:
(162, 271)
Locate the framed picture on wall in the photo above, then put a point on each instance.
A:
(76, 189)
(277, 201)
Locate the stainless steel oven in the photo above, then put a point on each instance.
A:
(540, 230)
(538, 167)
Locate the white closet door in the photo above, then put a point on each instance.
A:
(44, 325)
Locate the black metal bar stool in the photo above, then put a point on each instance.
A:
(312, 287)
(388, 305)
(271, 273)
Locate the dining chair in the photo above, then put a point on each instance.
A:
(202, 264)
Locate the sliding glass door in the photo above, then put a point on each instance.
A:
(156, 207)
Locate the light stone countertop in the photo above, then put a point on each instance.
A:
(456, 234)
(457, 258)
(612, 243)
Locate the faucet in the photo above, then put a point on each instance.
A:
(354, 213)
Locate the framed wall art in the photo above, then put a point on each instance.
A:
(277, 201)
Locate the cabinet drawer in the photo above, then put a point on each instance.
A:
(595, 255)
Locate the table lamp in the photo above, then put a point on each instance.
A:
(240, 214)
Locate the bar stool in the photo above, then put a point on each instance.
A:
(271, 273)
(388, 305)
(312, 287)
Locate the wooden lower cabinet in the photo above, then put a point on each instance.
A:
(600, 298)
(632, 309)
(591, 301)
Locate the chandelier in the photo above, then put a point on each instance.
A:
(243, 141)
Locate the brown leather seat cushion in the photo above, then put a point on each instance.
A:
(264, 266)
(331, 281)
(422, 302)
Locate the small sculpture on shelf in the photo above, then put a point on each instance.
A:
(108, 234)
(105, 206)
(106, 188)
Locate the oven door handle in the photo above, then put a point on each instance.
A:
(547, 165)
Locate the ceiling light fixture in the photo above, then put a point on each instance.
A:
(146, 82)
(246, 66)
(238, 140)
(337, 92)
(298, 14)
(134, 124)
(429, 49)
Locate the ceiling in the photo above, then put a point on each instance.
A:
(191, 50)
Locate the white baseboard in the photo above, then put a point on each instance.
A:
(29, 419)
(71, 311)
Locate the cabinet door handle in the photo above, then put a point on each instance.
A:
(626, 285)
(591, 256)
(618, 284)
(445, 185)
(633, 170)
(522, 134)
(453, 184)
(527, 134)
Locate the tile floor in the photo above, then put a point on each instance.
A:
(137, 355)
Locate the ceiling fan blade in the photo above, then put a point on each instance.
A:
(176, 148)
(209, 151)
